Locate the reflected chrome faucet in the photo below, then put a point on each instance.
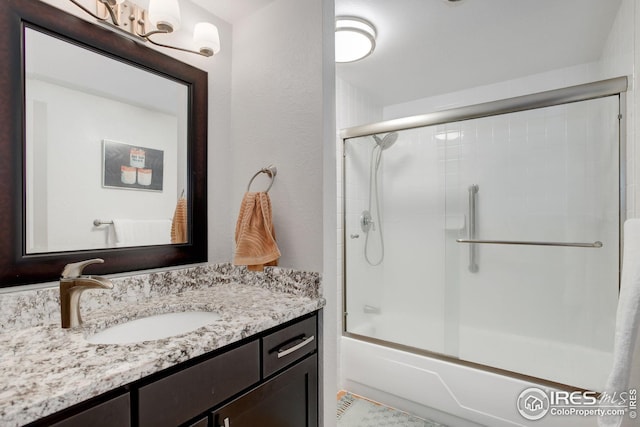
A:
(72, 283)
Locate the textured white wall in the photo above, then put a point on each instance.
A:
(330, 320)
(283, 114)
(277, 118)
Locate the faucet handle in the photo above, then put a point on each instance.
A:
(75, 269)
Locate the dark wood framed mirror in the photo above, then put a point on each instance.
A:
(20, 263)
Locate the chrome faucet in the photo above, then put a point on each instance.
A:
(72, 283)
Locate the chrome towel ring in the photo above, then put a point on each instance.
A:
(269, 170)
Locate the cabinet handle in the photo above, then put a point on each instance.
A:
(283, 353)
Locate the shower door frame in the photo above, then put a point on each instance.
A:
(584, 92)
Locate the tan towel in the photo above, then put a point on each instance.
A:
(255, 237)
(179, 223)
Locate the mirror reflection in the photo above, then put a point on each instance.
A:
(106, 151)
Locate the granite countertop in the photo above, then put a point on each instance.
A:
(44, 368)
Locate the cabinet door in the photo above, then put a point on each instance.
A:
(290, 399)
(114, 412)
(175, 399)
(203, 422)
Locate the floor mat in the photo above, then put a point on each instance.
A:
(356, 411)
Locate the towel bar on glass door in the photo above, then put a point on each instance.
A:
(270, 170)
(596, 244)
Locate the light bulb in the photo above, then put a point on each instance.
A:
(165, 14)
(207, 38)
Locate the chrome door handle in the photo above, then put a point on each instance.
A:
(473, 261)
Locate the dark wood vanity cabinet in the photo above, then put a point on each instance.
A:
(268, 380)
(287, 400)
(177, 398)
(289, 395)
(271, 381)
(112, 412)
(107, 410)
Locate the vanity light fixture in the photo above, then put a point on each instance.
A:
(163, 17)
(355, 39)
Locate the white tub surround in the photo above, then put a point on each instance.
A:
(44, 368)
(440, 390)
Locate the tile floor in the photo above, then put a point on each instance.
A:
(358, 411)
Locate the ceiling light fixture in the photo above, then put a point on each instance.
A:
(163, 17)
(355, 39)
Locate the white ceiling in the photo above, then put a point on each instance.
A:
(430, 47)
(232, 10)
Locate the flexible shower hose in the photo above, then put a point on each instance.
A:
(373, 182)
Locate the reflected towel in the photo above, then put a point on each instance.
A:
(255, 236)
(132, 232)
(627, 318)
(179, 223)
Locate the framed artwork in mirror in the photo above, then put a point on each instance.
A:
(131, 167)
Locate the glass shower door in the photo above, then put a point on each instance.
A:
(550, 177)
(413, 200)
(395, 266)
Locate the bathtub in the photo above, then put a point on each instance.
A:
(450, 393)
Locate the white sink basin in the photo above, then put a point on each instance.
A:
(154, 327)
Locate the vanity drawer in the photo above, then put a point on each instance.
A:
(181, 396)
(284, 347)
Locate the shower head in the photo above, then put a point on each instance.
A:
(386, 142)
